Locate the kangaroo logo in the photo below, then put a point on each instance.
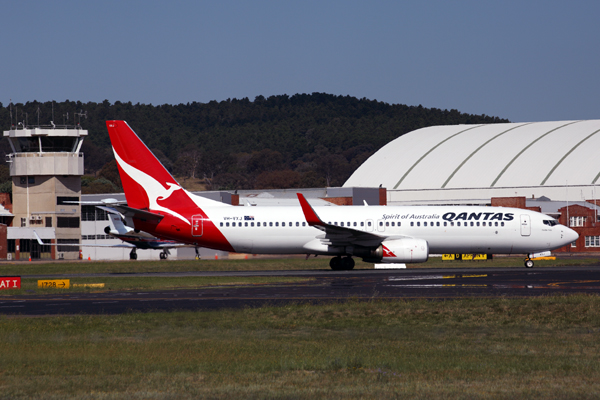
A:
(154, 189)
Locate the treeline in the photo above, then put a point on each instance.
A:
(304, 140)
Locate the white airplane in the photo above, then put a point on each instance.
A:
(157, 204)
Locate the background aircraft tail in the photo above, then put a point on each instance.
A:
(144, 178)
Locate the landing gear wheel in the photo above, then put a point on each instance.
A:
(336, 263)
(133, 255)
(528, 263)
(163, 255)
(347, 263)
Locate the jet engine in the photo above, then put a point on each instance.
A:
(406, 250)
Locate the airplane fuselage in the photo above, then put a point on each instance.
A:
(455, 229)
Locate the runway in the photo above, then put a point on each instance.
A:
(327, 286)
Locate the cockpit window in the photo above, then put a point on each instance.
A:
(550, 222)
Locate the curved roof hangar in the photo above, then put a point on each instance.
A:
(533, 154)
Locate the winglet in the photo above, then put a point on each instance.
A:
(311, 216)
(39, 240)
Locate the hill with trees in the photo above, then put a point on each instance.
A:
(304, 140)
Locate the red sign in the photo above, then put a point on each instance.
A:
(10, 282)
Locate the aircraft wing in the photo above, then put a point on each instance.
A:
(338, 235)
(41, 243)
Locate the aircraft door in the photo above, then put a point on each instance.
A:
(197, 225)
(525, 225)
(369, 225)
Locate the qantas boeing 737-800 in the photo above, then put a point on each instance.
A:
(157, 204)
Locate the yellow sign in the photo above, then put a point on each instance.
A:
(54, 284)
(464, 257)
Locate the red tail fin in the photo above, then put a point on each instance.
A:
(144, 178)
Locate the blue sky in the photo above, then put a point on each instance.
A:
(521, 60)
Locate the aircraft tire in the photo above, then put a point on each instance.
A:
(162, 256)
(133, 256)
(528, 263)
(336, 263)
(347, 263)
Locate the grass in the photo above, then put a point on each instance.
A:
(545, 347)
(259, 264)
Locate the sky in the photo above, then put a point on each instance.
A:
(521, 60)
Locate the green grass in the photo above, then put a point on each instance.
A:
(261, 264)
(545, 347)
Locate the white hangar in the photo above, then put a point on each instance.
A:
(460, 164)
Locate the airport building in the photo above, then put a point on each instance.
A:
(46, 166)
(470, 164)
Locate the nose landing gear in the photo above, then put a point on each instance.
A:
(528, 263)
(342, 264)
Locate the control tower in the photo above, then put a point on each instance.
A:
(46, 168)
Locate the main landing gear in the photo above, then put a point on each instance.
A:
(528, 263)
(133, 254)
(341, 264)
(164, 254)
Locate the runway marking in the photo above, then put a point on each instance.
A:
(572, 282)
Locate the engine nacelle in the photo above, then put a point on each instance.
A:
(407, 250)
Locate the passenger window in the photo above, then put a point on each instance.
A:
(393, 223)
(478, 223)
(380, 223)
(304, 224)
(276, 223)
(297, 223)
(233, 224)
(362, 223)
(221, 224)
(425, 223)
(412, 223)
(369, 223)
(270, 224)
(438, 223)
(472, 223)
(457, 223)
(502, 223)
(496, 223)
(341, 224)
(445, 223)
(227, 224)
(245, 224)
(251, 223)
(387, 223)
(451, 223)
(354, 224)
(418, 223)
